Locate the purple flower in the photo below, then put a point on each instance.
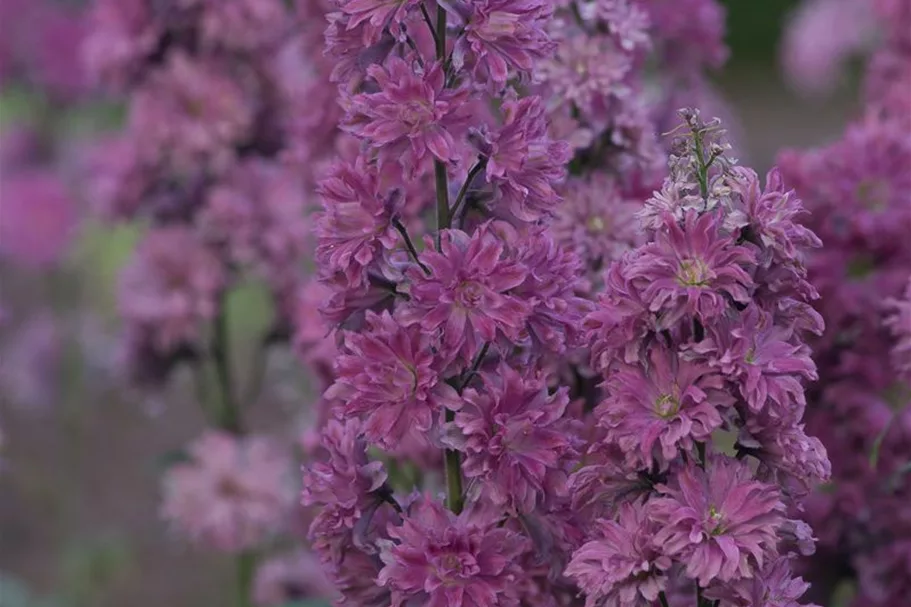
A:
(596, 220)
(414, 116)
(787, 455)
(467, 292)
(900, 324)
(589, 72)
(622, 565)
(690, 32)
(500, 35)
(231, 494)
(171, 287)
(191, 113)
(617, 326)
(258, 215)
(515, 439)
(292, 577)
(345, 485)
(378, 13)
(604, 482)
(654, 411)
(765, 360)
(355, 228)
(243, 25)
(693, 269)
(719, 522)
(448, 560)
(771, 214)
(523, 163)
(774, 586)
(123, 34)
(388, 375)
(549, 289)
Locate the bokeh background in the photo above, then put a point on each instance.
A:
(82, 453)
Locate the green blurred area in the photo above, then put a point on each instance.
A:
(754, 29)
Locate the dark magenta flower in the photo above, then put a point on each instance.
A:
(413, 117)
(774, 586)
(554, 277)
(171, 287)
(656, 409)
(692, 270)
(355, 228)
(499, 35)
(622, 565)
(388, 375)
(448, 560)
(467, 292)
(719, 522)
(344, 484)
(767, 362)
(900, 325)
(523, 163)
(515, 440)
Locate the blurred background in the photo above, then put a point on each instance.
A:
(82, 450)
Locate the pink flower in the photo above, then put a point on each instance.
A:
(719, 522)
(259, 215)
(774, 586)
(243, 25)
(346, 485)
(171, 287)
(289, 578)
(766, 360)
(820, 37)
(587, 71)
(467, 292)
(387, 375)
(771, 213)
(122, 35)
(449, 560)
(787, 455)
(900, 324)
(37, 218)
(500, 35)
(656, 410)
(604, 482)
(622, 565)
(232, 494)
(355, 228)
(549, 289)
(523, 163)
(596, 220)
(379, 13)
(516, 441)
(690, 32)
(692, 270)
(191, 113)
(412, 117)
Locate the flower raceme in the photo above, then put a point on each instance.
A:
(512, 477)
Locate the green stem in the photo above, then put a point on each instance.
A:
(452, 457)
(409, 245)
(663, 598)
(441, 33)
(230, 413)
(477, 168)
(246, 567)
(453, 474)
(442, 186)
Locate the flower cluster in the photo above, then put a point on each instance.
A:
(858, 191)
(231, 494)
(209, 155)
(445, 341)
(701, 332)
